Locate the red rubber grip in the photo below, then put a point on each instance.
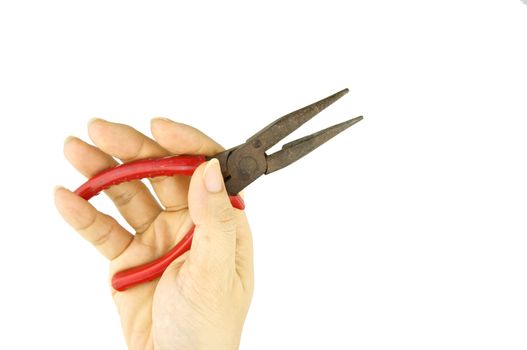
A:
(174, 165)
(139, 169)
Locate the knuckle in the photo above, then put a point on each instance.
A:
(87, 223)
(125, 197)
(137, 147)
(101, 238)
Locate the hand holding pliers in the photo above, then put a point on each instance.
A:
(240, 166)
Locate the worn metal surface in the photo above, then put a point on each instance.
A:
(245, 163)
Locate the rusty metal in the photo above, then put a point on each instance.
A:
(245, 163)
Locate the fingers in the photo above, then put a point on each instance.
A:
(214, 243)
(133, 199)
(180, 138)
(110, 238)
(128, 144)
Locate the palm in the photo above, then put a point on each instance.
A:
(135, 306)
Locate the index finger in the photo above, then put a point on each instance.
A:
(180, 138)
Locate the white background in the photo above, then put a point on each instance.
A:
(409, 231)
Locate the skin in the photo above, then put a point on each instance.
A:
(202, 299)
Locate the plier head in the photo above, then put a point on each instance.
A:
(243, 164)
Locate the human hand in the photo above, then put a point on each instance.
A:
(202, 298)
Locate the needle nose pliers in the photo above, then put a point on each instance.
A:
(240, 166)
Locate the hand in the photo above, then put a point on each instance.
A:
(202, 298)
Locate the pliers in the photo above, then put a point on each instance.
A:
(240, 166)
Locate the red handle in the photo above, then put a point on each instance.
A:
(174, 165)
(139, 169)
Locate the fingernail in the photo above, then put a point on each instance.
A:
(56, 188)
(212, 176)
(93, 120)
(69, 138)
(163, 119)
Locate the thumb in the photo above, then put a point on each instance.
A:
(214, 243)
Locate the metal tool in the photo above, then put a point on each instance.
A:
(240, 166)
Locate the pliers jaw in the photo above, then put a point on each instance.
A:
(245, 163)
